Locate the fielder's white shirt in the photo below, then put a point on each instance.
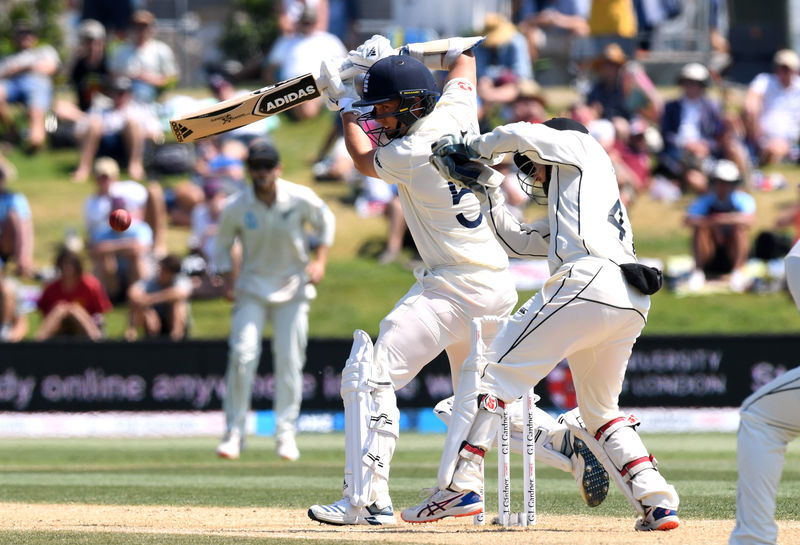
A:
(274, 240)
(586, 217)
(445, 221)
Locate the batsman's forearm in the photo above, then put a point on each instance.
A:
(358, 146)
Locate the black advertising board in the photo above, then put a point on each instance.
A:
(718, 371)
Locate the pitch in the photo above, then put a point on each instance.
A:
(98, 491)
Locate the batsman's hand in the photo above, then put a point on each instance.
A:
(456, 161)
(339, 95)
(371, 51)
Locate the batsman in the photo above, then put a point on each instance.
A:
(389, 129)
(591, 311)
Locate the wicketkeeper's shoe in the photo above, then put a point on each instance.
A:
(342, 513)
(658, 518)
(444, 503)
(589, 473)
(231, 446)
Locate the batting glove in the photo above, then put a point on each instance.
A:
(371, 51)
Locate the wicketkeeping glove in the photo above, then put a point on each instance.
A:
(456, 161)
(371, 51)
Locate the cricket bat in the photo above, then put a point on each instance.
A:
(245, 109)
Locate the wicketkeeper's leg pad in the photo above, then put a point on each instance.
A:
(619, 448)
(371, 425)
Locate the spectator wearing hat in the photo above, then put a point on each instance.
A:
(119, 130)
(160, 305)
(26, 77)
(721, 221)
(695, 134)
(89, 72)
(122, 258)
(148, 63)
(13, 320)
(502, 59)
(74, 303)
(622, 89)
(16, 226)
(302, 52)
(146, 201)
(772, 110)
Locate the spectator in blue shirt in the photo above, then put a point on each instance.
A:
(16, 227)
(721, 221)
(501, 60)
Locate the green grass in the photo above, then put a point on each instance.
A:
(357, 293)
(184, 472)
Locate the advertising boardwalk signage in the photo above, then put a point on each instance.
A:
(164, 376)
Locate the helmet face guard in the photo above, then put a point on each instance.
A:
(414, 104)
(527, 178)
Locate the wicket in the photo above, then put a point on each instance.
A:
(505, 516)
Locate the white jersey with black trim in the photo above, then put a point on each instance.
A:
(586, 216)
(445, 221)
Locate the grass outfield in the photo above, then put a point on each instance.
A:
(133, 484)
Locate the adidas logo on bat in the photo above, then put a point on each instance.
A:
(281, 103)
(180, 131)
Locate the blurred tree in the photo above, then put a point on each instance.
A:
(43, 14)
(250, 30)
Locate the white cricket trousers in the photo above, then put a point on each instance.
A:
(770, 418)
(568, 318)
(587, 313)
(290, 336)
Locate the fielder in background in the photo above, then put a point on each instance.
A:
(770, 418)
(590, 311)
(276, 283)
(465, 272)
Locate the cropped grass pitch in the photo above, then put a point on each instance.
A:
(185, 473)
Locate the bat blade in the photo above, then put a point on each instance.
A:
(239, 111)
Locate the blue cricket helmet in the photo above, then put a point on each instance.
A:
(397, 77)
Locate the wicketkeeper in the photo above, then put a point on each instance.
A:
(590, 311)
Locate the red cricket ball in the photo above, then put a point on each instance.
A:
(119, 219)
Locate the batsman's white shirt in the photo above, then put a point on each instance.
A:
(466, 271)
(274, 240)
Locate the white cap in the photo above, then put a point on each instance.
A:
(787, 57)
(725, 171)
(94, 30)
(694, 71)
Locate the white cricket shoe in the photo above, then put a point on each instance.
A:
(231, 446)
(658, 518)
(344, 513)
(287, 447)
(444, 503)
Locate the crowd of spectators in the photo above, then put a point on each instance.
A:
(692, 144)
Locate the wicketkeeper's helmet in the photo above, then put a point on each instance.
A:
(397, 77)
(526, 175)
